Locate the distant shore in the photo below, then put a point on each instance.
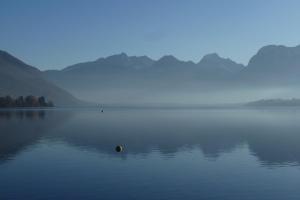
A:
(274, 103)
(29, 101)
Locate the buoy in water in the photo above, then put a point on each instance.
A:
(101, 110)
(119, 148)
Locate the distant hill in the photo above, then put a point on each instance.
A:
(18, 78)
(275, 102)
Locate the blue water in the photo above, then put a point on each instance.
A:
(168, 154)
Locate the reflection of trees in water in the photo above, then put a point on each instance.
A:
(23, 114)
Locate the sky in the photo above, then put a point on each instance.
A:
(53, 34)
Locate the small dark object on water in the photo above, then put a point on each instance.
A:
(119, 148)
(101, 110)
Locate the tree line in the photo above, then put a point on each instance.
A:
(28, 101)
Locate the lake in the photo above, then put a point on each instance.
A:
(168, 153)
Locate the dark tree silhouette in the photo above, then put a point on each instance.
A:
(31, 101)
(28, 101)
(20, 101)
(42, 101)
(9, 101)
(2, 102)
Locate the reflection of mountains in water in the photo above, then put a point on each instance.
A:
(271, 136)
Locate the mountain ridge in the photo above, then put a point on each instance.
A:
(274, 64)
(123, 59)
(20, 79)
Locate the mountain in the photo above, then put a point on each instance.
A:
(217, 68)
(114, 63)
(274, 64)
(136, 78)
(17, 78)
(215, 62)
(171, 62)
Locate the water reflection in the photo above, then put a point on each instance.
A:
(271, 136)
(21, 129)
(22, 114)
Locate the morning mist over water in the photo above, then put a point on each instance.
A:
(151, 100)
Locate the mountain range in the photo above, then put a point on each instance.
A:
(122, 78)
(139, 78)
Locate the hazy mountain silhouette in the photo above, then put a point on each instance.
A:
(219, 65)
(275, 65)
(18, 78)
(122, 62)
(134, 77)
(114, 63)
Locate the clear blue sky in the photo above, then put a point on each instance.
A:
(56, 33)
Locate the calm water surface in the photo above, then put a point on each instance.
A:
(168, 154)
